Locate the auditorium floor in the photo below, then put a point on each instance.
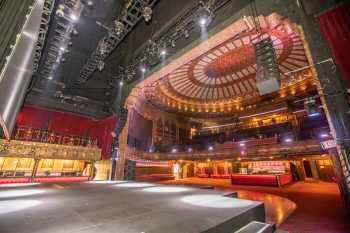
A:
(318, 205)
(122, 207)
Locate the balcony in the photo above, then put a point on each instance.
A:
(233, 150)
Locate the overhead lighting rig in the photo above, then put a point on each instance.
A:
(132, 13)
(157, 48)
(66, 14)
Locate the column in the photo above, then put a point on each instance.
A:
(35, 169)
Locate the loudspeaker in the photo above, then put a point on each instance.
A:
(268, 75)
(129, 170)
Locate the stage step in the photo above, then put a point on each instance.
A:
(256, 227)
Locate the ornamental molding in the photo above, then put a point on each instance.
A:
(39, 150)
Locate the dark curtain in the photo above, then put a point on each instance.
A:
(70, 124)
(140, 131)
(335, 25)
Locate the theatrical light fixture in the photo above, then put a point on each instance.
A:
(50, 78)
(143, 69)
(210, 148)
(118, 27)
(288, 140)
(101, 65)
(174, 150)
(74, 17)
(311, 107)
(147, 13)
(121, 83)
(163, 52)
(189, 149)
(324, 135)
(62, 49)
(205, 14)
(241, 144)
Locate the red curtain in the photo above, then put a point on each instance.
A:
(335, 25)
(70, 124)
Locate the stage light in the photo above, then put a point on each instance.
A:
(163, 52)
(174, 150)
(205, 16)
(189, 149)
(17, 205)
(311, 107)
(134, 185)
(147, 13)
(202, 21)
(121, 83)
(208, 160)
(210, 148)
(216, 201)
(118, 27)
(50, 78)
(20, 193)
(17, 185)
(288, 140)
(143, 69)
(165, 189)
(74, 17)
(90, 3)
(62, 49)
(324, 135)
(242, 144)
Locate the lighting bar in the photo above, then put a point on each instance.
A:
(264, 113)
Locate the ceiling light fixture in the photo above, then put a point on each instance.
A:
(74, 17)
(147, 13)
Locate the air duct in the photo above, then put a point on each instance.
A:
(17, 72)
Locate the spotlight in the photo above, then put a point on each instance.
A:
(210, 148)
(118, 27)
(186, 34)
(324, 135)
(163, 52)
(288, 140)
(202, 21)
(205, 16)
(241, 144)
(147, 13)
(121, 83)
(189, 149)
(62, 49)
(311, 107)
(100, 65)
(174, 150)
(143, 69)
(90, 3)
(50, 78)
(74, 17)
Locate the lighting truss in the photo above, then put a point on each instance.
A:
(44, 27)
(132, 15)
(58, 45)
(149, 55)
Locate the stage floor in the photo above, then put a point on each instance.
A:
(125, 207)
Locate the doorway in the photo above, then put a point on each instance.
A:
(307, 168)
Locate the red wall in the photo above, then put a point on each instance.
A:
(70, 124)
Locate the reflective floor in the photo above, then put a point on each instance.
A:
(122, 207)
(299, 208)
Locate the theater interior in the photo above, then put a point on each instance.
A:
(181, 116)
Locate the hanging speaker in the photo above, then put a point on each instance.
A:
(268, 75)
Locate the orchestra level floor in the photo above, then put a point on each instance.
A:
(318, 206)
(122, 207)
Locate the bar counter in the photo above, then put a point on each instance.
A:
(262, 179)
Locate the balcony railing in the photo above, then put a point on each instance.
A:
(305, 147)
(24, 133)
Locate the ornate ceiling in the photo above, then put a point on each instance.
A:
(219, 76)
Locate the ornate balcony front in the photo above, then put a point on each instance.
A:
(40, 150)
(306, 147)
